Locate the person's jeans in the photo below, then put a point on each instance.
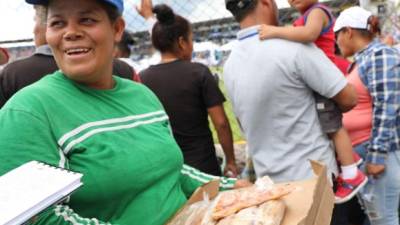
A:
(380, 197)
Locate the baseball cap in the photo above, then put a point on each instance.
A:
(119, 4)
(237, 5)
(354, 17)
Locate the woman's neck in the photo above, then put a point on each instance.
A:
(361, 44)
(104, 84)
(168, 57)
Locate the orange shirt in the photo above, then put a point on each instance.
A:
(358, 121)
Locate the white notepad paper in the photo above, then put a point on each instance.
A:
(31, 188)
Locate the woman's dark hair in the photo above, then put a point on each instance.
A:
(374, 25)
(240, 9)
(126, 44)
(373, 28)
(111, 10)
(168, 29)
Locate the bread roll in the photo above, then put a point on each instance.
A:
(271, 212)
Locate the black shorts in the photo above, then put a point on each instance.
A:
(329, 114)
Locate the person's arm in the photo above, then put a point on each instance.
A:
(346, 99)
(146, 11)
(223, 128)
(316, 21)
(384, 84)
(4, 57)
(213, 99)
(192, 178)
(63, 215)
(323, 77)
(25, 136)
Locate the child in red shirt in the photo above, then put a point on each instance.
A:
(316, 25)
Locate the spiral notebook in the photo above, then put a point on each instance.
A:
(31, 188)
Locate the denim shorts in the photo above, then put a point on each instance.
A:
(329, 114)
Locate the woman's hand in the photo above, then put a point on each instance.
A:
(145, 9)
(375, 169)
(242, 183)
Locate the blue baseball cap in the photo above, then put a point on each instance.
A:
(119, 4)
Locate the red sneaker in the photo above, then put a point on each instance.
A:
(357, 159)
(346, 189)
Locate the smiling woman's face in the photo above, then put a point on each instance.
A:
(82, 38)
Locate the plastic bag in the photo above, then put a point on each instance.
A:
(192, 214)
(269, 213)
(230, 202)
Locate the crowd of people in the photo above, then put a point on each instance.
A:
(143, 140)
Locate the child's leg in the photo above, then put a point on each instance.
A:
(351, 179)
(344, 151)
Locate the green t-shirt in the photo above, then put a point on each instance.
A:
(120, 139)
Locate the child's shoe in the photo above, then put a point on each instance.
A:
(346, 189)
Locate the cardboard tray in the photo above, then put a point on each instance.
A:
(310, 204)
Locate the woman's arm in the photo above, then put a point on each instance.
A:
(26, 136)
(146, 11)
(192, 178)
(316, 21)
(223, 128)
(63, 215)
(384, 85)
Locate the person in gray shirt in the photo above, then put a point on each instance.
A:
(271, 84)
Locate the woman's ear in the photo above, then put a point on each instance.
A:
(181, 43)
(348, 32)
(119, 27)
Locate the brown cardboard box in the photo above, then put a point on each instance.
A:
(313, 203)
(310, 204)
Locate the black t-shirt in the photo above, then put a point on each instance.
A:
(186, 91)
(24, 72)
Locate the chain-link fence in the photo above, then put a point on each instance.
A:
(212, 24)
(211, 21)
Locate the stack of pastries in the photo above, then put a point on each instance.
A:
(259, 204)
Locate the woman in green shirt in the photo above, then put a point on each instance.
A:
(112, 130)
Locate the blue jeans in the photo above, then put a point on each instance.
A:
(381, 196)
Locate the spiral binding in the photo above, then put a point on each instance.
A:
(54, 167)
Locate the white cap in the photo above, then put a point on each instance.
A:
(354, 17)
